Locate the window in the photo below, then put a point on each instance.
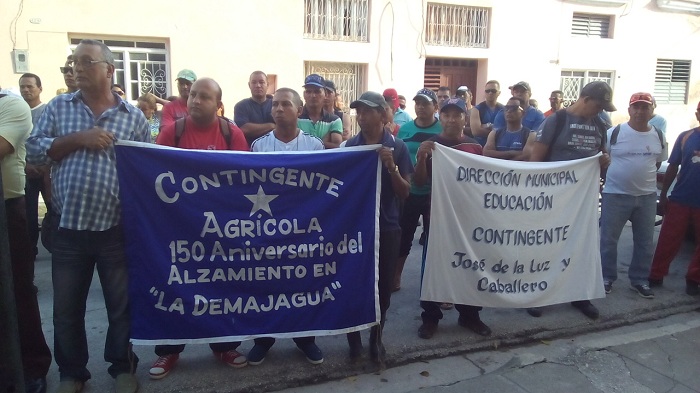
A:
(671, 82)
(349, 79)
(456, 25)
(337, 20)
(591, 25)
(573, 81)
(139, 66)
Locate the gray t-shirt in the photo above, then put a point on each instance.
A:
(37, 111)
(580, 138)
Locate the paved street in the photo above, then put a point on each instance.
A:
(578, 364)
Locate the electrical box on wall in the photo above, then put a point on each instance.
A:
(20, 61)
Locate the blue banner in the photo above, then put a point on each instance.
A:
(226, 246)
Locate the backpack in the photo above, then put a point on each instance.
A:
(560, 117)
(616, 131)
(223, 126)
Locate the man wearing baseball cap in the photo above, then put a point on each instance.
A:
(401, 117)
(396, 171)
(636, 152)
(532, 117)
(582, 134)
(681, 208)
(177, 109)
(413, 133)
(453, 117)
(314, 119)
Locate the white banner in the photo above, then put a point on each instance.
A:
(512, 234)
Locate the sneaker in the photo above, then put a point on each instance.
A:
(475, 325)
(587, 308)
(257, 354)
(691, 288)
(427, 330)
(126, 383)
(643, 290)
(232, 358)
(535, 311)
(163, 365)
(656, 282)
(70, 386)
(313, 353)
(608, 287)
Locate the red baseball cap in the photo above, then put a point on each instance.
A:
(642, 97)
(393, 96)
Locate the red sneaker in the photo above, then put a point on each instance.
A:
(163, 365)
(232, 358)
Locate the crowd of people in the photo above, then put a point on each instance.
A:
(68, 144)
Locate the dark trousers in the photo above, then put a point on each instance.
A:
(433, 313)
(388, 253)
(162, 350)
(75, 256)
(31, 193)
(414, 207)
(36, 356)
(299, 341)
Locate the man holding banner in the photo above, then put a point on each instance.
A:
(395, 176)
(200, 129)
(573, 133)
(286, 136)
(453, 116)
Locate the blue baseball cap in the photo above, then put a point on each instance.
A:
(454, 102)
(314, 80)
(426, 94)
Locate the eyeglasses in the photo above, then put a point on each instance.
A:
(491, 91)
(512, 108)
(88, 63)
(66, 70)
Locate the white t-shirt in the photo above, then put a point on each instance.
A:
(303, 142)
(15, 126)
(632, 168)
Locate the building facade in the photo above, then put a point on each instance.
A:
(635, 45)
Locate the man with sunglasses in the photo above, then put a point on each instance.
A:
(481, 120)
(77, 131)
(580, 135)
(532, 117)
(68, 75)
(509, 143)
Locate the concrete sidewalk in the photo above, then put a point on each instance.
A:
(286, 367)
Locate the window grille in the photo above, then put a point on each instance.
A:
(671, 81)
(591, 25)
(456, 25)
(336, 20)
(572, 81)
(139, 66)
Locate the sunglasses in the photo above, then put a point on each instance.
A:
(512, 108)
(66, 70)
(491, 91)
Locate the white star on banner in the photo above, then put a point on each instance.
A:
(261, 201)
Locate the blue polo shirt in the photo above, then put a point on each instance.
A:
(388, 201)
(532, 119)
(251, 111)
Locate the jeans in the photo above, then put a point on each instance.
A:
(676, 221)
(36, 355)
(74, 258)
(617, 209)
(413, 207)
